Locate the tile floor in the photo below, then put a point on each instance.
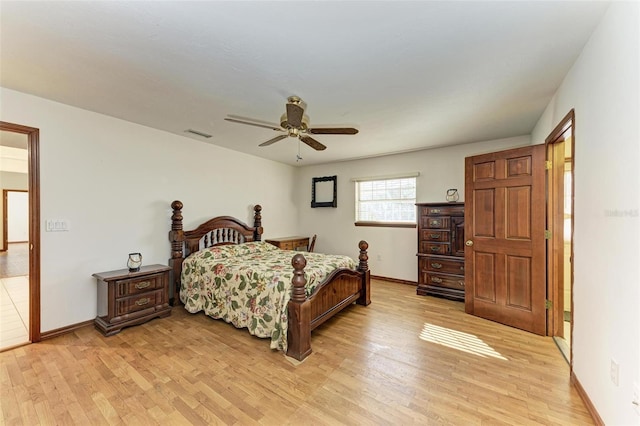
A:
(14, 311)
(15, 261)
(14, 295)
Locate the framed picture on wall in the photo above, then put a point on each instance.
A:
(324, 191)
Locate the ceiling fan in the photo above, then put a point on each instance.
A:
(295, 123)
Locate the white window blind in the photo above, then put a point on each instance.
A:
(390, 200)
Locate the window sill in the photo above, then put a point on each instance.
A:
(387, 224)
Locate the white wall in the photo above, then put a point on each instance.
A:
(392, 251)
(17, 216)
(113, 181)
(10, 180)
(603, 88)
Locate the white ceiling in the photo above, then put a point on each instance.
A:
(408, 75)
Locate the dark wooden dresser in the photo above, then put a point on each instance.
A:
(130, 298)
(441, 250)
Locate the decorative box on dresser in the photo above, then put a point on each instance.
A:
(441, 250)
(130, 298)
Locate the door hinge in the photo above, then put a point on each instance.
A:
(547, 234)
(547, 165)
(548, 304)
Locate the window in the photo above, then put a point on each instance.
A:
(386, 201)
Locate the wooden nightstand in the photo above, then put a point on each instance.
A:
(131, 298)
(290, 243)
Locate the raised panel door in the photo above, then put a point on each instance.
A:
(504, 228)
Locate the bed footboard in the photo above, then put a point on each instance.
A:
(339, 290)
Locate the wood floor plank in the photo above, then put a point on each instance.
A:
(405, 359)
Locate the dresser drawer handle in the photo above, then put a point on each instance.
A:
(434, 236)
(143, 302)
(434, 248)
(435, 211)
(143, 284)
(436, 280)
(461, 283)
(436, 265)
(435, 223)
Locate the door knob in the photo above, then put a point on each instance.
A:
(469, 243)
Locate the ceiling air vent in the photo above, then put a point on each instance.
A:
(195, 132)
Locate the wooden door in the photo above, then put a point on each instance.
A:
(505, 244)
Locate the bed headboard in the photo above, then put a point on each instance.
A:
(220, 230)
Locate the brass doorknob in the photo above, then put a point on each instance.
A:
(469, 243)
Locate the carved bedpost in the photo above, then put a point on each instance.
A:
(257, 223)
(299, 332)
(364, 257)
(176, 236)
(299, 281)
(363, 266)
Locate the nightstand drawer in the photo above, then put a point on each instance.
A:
(139, 302)
(138, 285)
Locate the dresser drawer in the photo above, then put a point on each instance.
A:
(441, 210)
(139, 285)
(435, 222)
(431, 235)
(446, 266)
(434, 248)
(441, 280)
(139, 302)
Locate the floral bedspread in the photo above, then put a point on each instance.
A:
(249, 285)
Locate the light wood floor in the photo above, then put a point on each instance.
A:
(405, 359)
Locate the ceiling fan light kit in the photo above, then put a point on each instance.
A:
(295, 123)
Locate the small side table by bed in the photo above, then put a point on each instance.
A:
(290, 243)
(131, 298)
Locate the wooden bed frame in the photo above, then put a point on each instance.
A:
(339, 290)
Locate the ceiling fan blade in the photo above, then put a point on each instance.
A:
(333, 131)
(272, 127)
(252, 120)
(274, 140)
(312, 143)
(295, 111)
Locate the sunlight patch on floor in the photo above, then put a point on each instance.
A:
(464, 342)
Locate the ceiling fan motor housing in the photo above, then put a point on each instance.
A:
(304, 125)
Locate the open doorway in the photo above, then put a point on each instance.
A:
(560, 164)
(19, 234)
(14, 257)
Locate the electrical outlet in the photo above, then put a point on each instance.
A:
(636, 398)
(614, 372)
